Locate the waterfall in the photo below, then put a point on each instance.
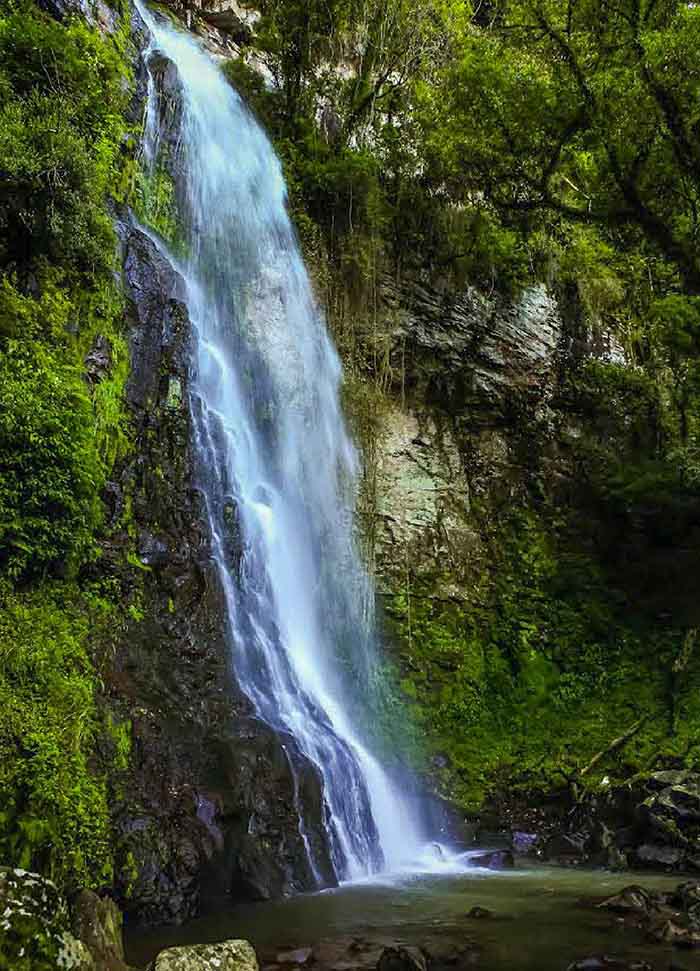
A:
(277, 468)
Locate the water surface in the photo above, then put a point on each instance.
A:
(540, 922)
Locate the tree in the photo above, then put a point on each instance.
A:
(588, 110)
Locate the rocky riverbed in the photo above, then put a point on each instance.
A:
(535, 919)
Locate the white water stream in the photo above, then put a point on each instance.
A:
(278, 469)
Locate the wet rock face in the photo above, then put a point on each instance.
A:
(210, 799)
(263, 799)
(168, 109)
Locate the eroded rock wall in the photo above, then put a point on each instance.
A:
(450, 433)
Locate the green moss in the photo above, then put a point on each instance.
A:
(55, 814)
(50, 473)
(155, 206)
(520, 688)
(63, 426)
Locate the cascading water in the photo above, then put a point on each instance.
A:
(277, 466)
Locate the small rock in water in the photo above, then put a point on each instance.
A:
(300, 955)
(401, 958)
(497, 860)
(669, 932)
(631, 900)
(524, 843)
(604, 963)
(480, 913)
(444, 951)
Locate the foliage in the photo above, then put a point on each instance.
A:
(60, 125)
(496, 145)
(586, 112)
(54, 808)
(60, 140)
(526, 684)
(49, 478)
(351, 142)
(63, 425)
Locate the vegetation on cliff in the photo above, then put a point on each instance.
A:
(498, 146)
(63, 365)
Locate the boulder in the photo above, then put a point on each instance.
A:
(97, 921)
(680, 801)
(480, 913)
(670, 777)
(402, 958)
(524, 844)
(495, 860)
(686, 895)
(227, 956)
(34, 931)
(672, 932)
(631, 900)
(654, 855)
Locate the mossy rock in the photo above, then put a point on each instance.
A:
(34, 932)
(227, 956)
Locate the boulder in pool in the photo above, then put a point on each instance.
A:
(496, 860)
(297, 956)
(402, 958)
(480, 913)
(671, 932)
(227, 956)
(630, 900)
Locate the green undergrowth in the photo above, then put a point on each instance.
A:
(519, 689)
(65, 150)
(54, 815)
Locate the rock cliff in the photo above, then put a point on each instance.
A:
(209, 806)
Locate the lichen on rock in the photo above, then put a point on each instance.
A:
(227, 956)
(34, 926)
